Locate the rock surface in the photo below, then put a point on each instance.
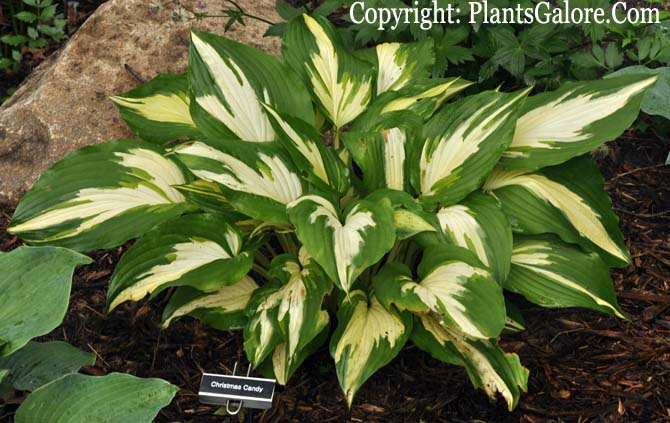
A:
(64, 104)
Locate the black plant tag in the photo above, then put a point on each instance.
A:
(253, 392)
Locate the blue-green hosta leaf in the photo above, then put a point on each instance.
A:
(158, 111)
(568, 200)
(341, 84)
(345, 246)
(199, 250)
(453, 284)
(303, 142)
(230, 81)
(101, 196)
(30, 273)
(368, 337)
(576, 118)
(464, 141)
(479, 225)
(489, 368)
(287, 311)
(258, 179)
(115, 398)
(399, 64)
(37, 364)
(553, 274)
(223, 309)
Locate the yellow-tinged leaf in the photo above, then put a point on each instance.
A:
(584, 218)
(92, 206)
(390, 71)
(160, 107)
(185, 257)
(536, 258)
(479, 363)
(342, 97)
(369, 324)
(464, 229)
(394, 158)
(228, 298)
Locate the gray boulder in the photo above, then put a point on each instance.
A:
(64, 104)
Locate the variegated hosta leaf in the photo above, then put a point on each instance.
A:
(302, 321)
(383, 141)
(201, 251)
(382, 155)
(421, 98)
(514, 321)
(553, 274)
(100, 197)
(489, 368)
(279, 367)
(452, 284)
(158, 111)
(208, 196)
(409, 223)
(287, 311)
(303, 142)
(341, 84)
(479, 225)
(399, 64)
(230, 81)
(257, 179)
(346, 246)
(568, 200)
(409, 218)
(424, 97)
(223, 309)
(464, 141)
(368, 337)
(576, 118)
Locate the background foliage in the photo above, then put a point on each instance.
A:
(518, 55)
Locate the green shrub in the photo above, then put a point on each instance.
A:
(542, 54)
(34, 25)
(348, 189)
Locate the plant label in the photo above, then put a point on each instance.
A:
(253, 392)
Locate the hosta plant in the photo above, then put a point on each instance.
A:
(345, 197)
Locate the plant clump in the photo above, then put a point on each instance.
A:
(426, 207)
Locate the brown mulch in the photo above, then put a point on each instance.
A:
(585, 367)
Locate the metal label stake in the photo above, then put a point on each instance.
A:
(245, 391)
